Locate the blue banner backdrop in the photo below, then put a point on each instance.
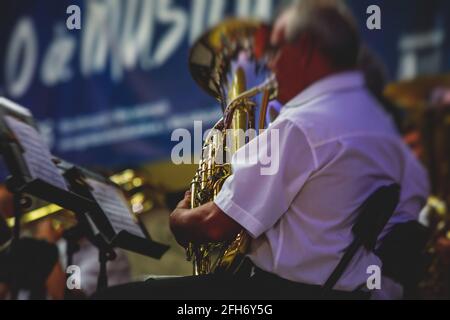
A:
(111, 93)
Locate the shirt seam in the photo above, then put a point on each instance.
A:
(281, 242)
(309, 101)
(354, 135)
(308, 140)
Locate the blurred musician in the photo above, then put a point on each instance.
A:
(337, 146)
(398, 250)
(34, 263)
(5, 242)
(376, 78)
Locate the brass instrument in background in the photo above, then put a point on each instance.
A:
(211, 64)
(436, 282)
(139, 191)
(60, 218)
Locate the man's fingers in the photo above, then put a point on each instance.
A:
(186, 202)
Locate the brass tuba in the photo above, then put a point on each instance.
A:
(216, 65)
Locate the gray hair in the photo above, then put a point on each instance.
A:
(331, 25)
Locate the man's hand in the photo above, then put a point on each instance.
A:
(204, 224)
(179, 218)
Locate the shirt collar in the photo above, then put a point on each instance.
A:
(337, 82)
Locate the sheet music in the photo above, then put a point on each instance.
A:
(36, 154)
(115, 206)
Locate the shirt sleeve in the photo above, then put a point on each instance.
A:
(268, 173)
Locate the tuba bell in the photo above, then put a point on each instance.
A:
(223, 63)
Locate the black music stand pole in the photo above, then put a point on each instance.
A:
(16, 236)
(72, 236)
(18, 204)
(102, 282)
(17, 207)
(17, 200)
(105, 254)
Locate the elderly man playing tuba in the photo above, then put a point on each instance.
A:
(337, 146)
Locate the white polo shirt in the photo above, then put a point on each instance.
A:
(336, 147)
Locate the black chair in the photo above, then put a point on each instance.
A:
(375, 213)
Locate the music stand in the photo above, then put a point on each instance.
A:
(29, 162)
(36, 172)
(111, 218)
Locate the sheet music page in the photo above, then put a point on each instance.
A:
(115, 206)
(36, 153)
